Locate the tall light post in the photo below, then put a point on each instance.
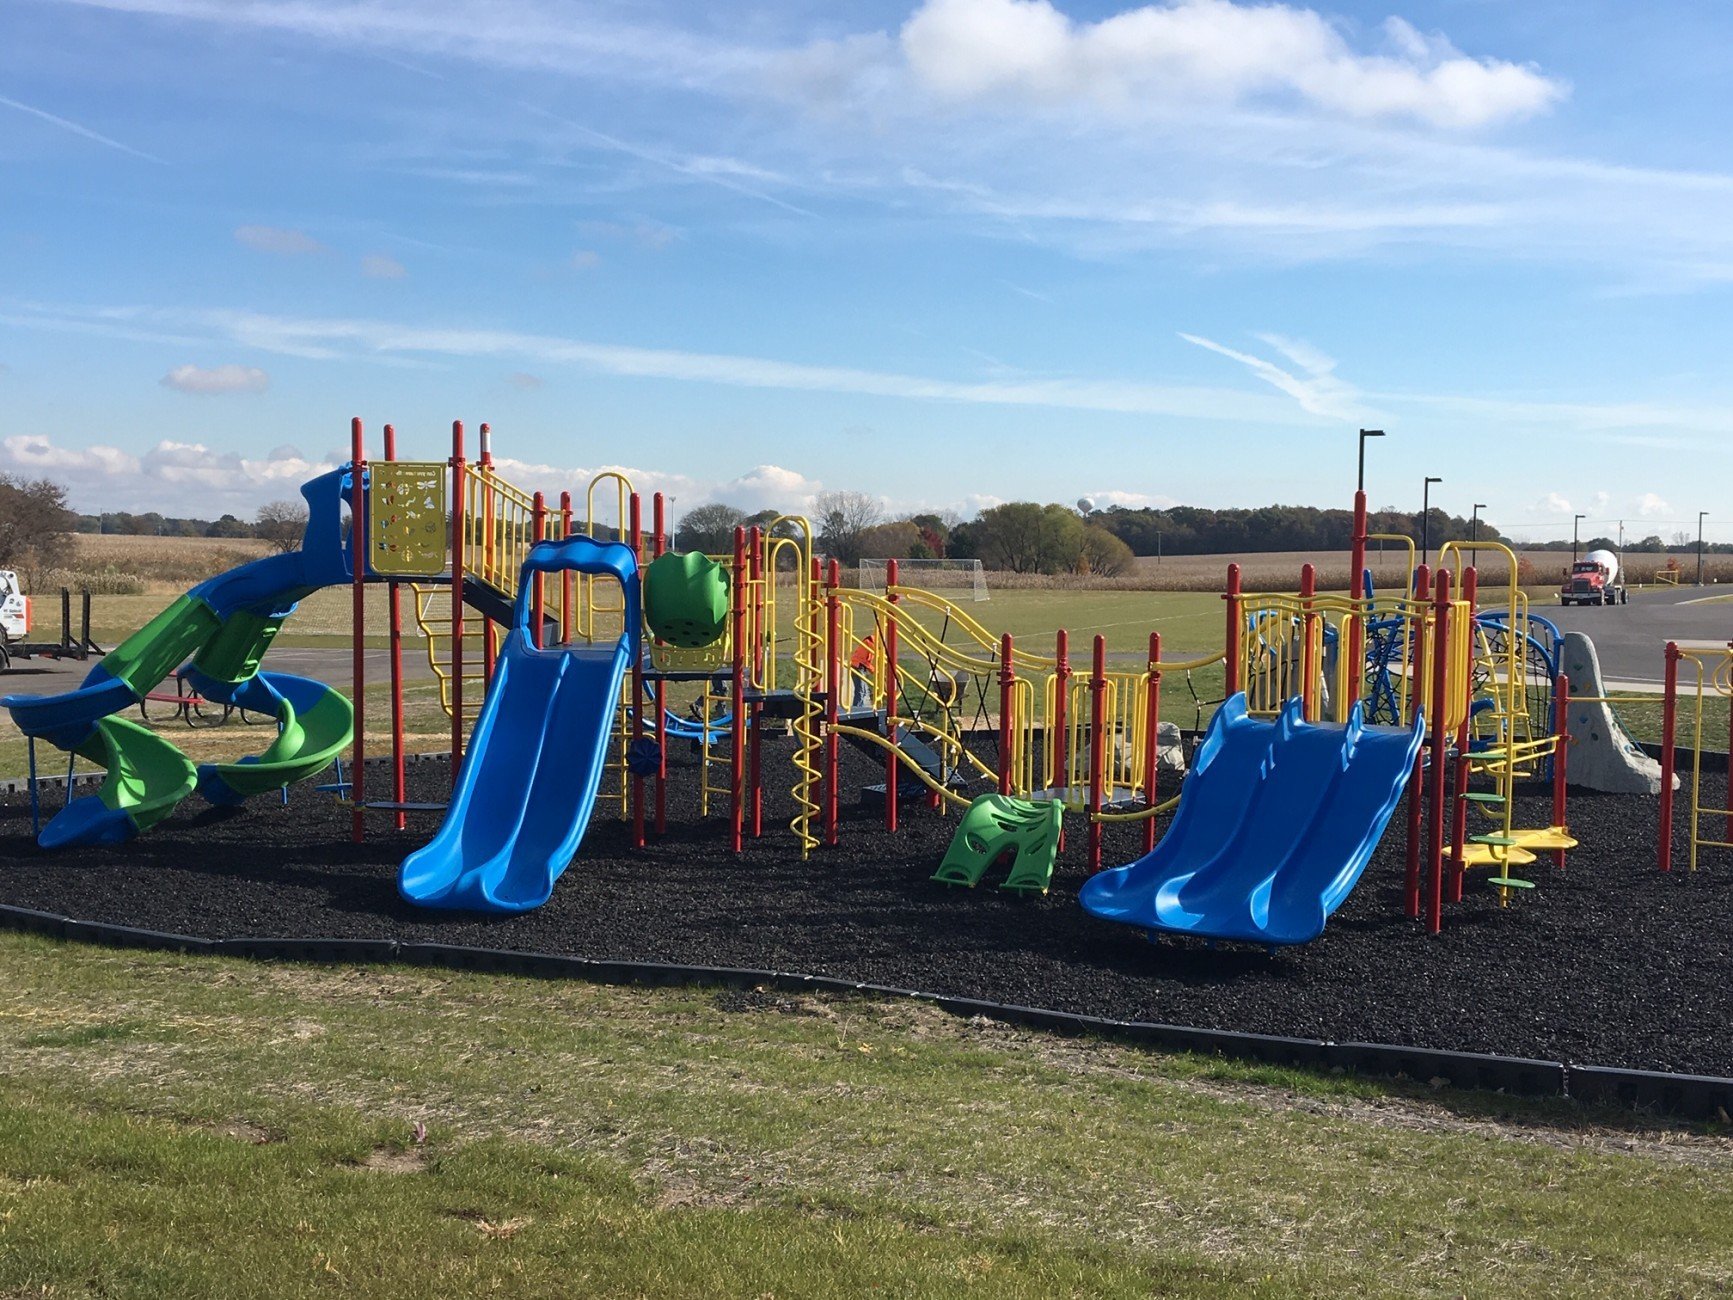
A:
(1426, 513)
(1474, 521)
(1700, 515)
(1574, 523)
(1360, 481)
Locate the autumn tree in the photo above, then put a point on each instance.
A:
(35, 526)
(281, 523)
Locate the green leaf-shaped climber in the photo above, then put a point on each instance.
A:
(686, 599)
(996, 824)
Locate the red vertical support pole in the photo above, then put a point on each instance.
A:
(1097, 747)
(658, 544)
(1669, 735)
(1232, 643)
(1440, 742)
(538, 589)
(737, 727)
(1308, 656)
(394, 598)
(1459, 777)
(489, 552)
(566, 583)
(1152, 738)
(1561, 707)
(459, 490)
(635, 640)
(755, 731)
(1357, 593)
(893, 767)
(358, 557)
(1059, 737)
(1007, 704)
(1417, 778)
(832, 688)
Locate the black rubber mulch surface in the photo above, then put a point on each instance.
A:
(1610, 963)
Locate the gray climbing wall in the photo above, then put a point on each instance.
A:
(1602, 756)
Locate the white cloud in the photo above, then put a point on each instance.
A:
(1106, 498)
(173, 477)
(1553, 505)
(274, 239)
(523, 381)
(1029, 51)
(74, 128)
(1651, 505)
(377, 266)
(317, 338)
(585, 259)
(216, 380)
(1318, 391)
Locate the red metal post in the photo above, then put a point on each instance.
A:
(394, 599)
(832, 688)
(1459, 798)
(1356, 592)
(1308, 658)
(1059, 742)
(1152, 739)
(358, 557)
(1561, 707)
(566, 576)
(1097, 747)
(1007, 681)
(489, 553)
(755, 731)
(1232, 644)
(736, 750)
(1417, 779)
(635, 640)
(658, 544)
(538, 532)
(1440, 741)
(893, 766)
(458, 490)
(1669, 735)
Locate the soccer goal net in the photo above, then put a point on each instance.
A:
(958, 579)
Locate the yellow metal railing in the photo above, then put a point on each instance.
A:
(1713, 678)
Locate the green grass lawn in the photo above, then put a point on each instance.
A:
(192, 1127)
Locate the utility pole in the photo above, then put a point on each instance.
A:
(1700, 515)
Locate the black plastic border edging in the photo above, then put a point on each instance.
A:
(1691, 1096)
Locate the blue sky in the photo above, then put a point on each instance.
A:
(945, 251)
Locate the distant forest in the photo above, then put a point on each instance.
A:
(1191, 530)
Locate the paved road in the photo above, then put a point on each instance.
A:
(1629, 638)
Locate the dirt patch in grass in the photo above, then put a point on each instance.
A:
(393, 1160)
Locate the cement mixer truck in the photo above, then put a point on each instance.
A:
(1594, 580)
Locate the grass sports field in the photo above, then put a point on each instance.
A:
(209, 1127)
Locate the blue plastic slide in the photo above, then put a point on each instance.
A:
(536, 756)
(1275, 824)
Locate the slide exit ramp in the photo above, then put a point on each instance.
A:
(536, 757)
(1275, 824)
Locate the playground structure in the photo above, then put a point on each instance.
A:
(565, 638)
(1711, 677)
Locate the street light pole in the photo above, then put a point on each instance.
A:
(1700, 515)
(1474, 522)
(1360, 482)
(1574, 523)
(1426, 513)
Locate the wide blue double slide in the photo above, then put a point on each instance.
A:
(1275, 824)
(536, 756)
